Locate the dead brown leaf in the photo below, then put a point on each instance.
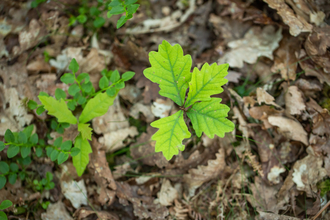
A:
(296, 23)
(252, 46)
(83, 213)
(56, 210)
(202, 174)
(285, 60)
(263, 96)
(290, 128)
(294, 101)
(99, 167)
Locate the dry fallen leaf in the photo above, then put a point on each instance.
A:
(290, 128)
(263, 196)
(75, 192)
(84, 212)
(56, 211)
(99, 167)
(263, 96)
(161, 108)
(307, 172)
(296, 23)
(167, 193)
(144, 109)
(294, 101)
(202, 174)
(257, 42)
(285, 60)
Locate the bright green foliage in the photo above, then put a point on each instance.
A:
(210, 118)
(171, 70)
(82, 159)
(58, 109)
(169, 137)
(96, 107)
(4, 205)
(206, 82)
(45, 183)
(117, 7)
(86, 131)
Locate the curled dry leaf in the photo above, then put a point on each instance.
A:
(145, 109)
(263, 96)
(202, 174)
(257, 42)
(263, 196)
(167, 193)
(56, 211)
(290, 128)
(296, 23)
(75, 192)
(99, 167)
(285, 60)
(317, 45)
(310, 88)
(144, 207)
(130, 93)
(294, 101)
(307, 172)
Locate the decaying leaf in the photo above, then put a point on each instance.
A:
(144, 207)
(263, 196)
(263, 96)
(167, 193)
(257, 42)
(307, 172)
(83, 213)
(56, 211)
(75, 192)
(285, 60)
(317, 45)
(290, 128)
(294, 101)
(161, 108)
(144, 109)
(202, 174)
(99, 167)
(296, 23)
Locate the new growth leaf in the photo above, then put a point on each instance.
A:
(171, 70)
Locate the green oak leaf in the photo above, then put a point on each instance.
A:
(85, 130)
(59, 109)
(169, 137)
(171, 70)
(81, 160)
(96, 107)
(206, 82)
(210, 118)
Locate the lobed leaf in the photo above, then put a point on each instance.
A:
(171, 70)
(210, 118)
(85, 130)
(206, 82)
(96, 107)
(169, 137)
(81, 160)
(59, 109)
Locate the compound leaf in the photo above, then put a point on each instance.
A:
(81, 160)
(210, 118)
(59, 109)
(206, 82)
(171, 70)
(169, 137)
(96, 107)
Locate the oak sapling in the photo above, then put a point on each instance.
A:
(171, 70)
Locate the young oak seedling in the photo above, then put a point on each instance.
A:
(171, 70)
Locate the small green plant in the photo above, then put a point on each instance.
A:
(9, 171)
(4, 205)
(45, 183)
(122, 6)
(93, 104)
(171, 70)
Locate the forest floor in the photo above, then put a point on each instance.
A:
(274, 165)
